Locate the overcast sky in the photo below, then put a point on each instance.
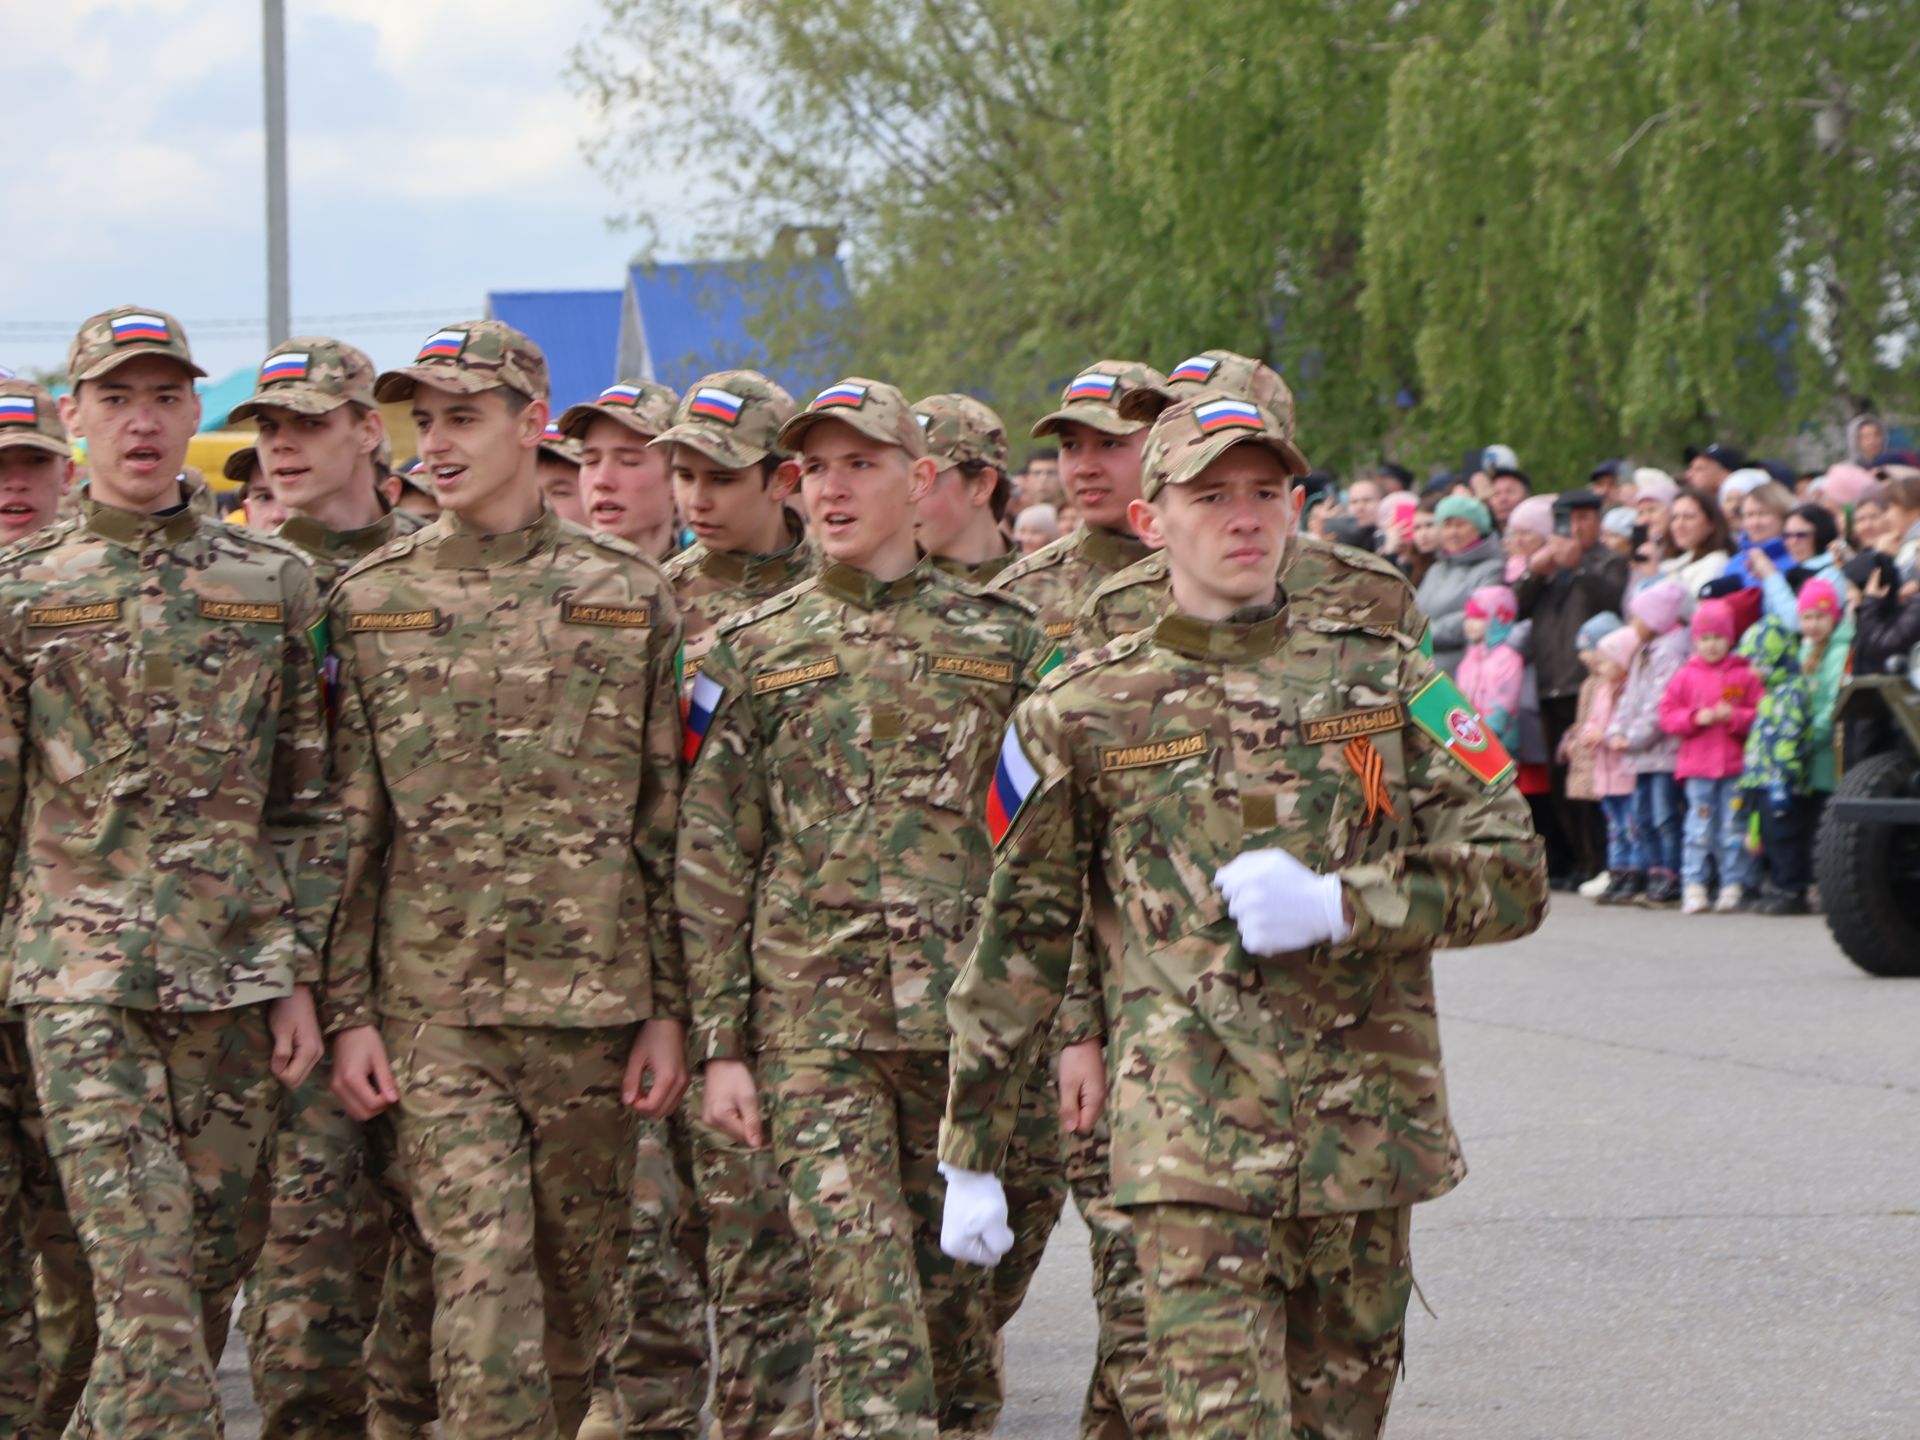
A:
(435, 155)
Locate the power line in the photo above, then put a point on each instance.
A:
(365, 320)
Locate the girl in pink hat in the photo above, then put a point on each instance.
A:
(1709, 706)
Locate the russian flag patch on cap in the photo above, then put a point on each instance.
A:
(710, 402)
(1092, 387)
(846, 393)
(130, 328)
(1014, 779)
(553, 432)
(17, 410)
(1217, 415)
(700, 707)
(627, 395)
(443, 345)
(1196, 368)
(293, 365)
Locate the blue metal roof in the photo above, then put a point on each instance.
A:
(696, 318)
(578, 329)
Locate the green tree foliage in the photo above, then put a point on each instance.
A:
(1579, 228)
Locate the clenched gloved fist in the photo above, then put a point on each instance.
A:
(973, 1226)
(1280, 905)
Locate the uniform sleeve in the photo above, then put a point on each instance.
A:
(352, 957)
(1476, 871)
(15, 691)
(722, 835)
(657, 813)
(301, 812)
(1001, 1005)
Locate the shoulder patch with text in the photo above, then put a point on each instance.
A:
(1153, 752)
(363, 622)
(785, 679)
(1349, 724)
(624, 617)
(968, 667)
(89, 613)
(256, 612)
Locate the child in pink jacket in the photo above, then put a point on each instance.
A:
(1613, 779)
(1491, 671)
(1710, 706)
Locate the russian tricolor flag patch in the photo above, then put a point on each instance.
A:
(290, 366)
(17, 410)
(130, 328)
(700, 707)
(1014, 779)
(627, 395)
(443, 345)
(1217, 415)
(712, 403)
(1092, 387)
(847, 394)
(1197, 369)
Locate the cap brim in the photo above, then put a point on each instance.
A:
(1104, 418)
(109, 363)
(34, 440)
(1143, 406)
(399, 384)
(718, 446)
(1203, 455)
(793, 434)
(548, 447)
(287, 397)
(575, 420)
(234, 468)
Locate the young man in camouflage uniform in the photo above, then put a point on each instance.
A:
(623, 478)
(338, 1216)
(172, 863)
(508, 736)
(43, 1367)
(830, 862)
(557, 463)
(960, 519)
(1100, 464)
(1290, 817)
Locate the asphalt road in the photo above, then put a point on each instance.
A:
(1694, 1207)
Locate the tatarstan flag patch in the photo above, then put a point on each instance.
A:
(1456, 727)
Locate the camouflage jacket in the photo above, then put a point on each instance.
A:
(832, 854)
(168, 842)
(1057, 579)
(508, 737)
(1302, 1084)
(983, 572)
(332, 553)
(712, 585)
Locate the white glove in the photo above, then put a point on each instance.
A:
(973, 1226)
(1280, 905)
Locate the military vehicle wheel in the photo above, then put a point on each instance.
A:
(1869, 872)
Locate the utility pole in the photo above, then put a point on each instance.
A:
(274, 58)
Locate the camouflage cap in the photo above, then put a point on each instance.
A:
(733, 417)
(1191, 434)
(961, 430)
(467, 358)
(872, 407)
(413, 476)
(30, 420)
(240, 465)
(1094, 397)
(1219, 372)
(642, 406)
(310, 376)
(116, 336)
(556, 443)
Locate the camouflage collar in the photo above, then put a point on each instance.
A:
(130, 527)
(462, 548)
(314, 538)
(979, 573)
(1109, 549)
(732, 567)
(1222, 639)
(859, 588)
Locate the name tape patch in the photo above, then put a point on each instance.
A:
(1350, 724)
(262, 612)
(360, 622)
(1000, 672)
(1154, 752)
(770, 680)
(1059, 629)
(91, 613)
(625, 617)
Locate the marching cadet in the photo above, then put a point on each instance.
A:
(831, 860)
(623, 477)
(173, 863)
(43, 1367)
(416, 495)
(961, 518)
(557, 463)
(1290, 815)
(1100, 464)
(338, 1208)
(504, 972)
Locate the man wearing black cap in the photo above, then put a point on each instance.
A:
(1606, 479)
(1708, 468)
(1570, 579)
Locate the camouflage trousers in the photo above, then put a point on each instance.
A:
(903, 1336)
(710, 1223)
(44, 1358)
(1036, 1192)
(1270, 1328)
(519, 1162)
(336, 1226)
(157, 1122)
(1126, 1399)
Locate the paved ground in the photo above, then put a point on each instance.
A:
(1694, 1208)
